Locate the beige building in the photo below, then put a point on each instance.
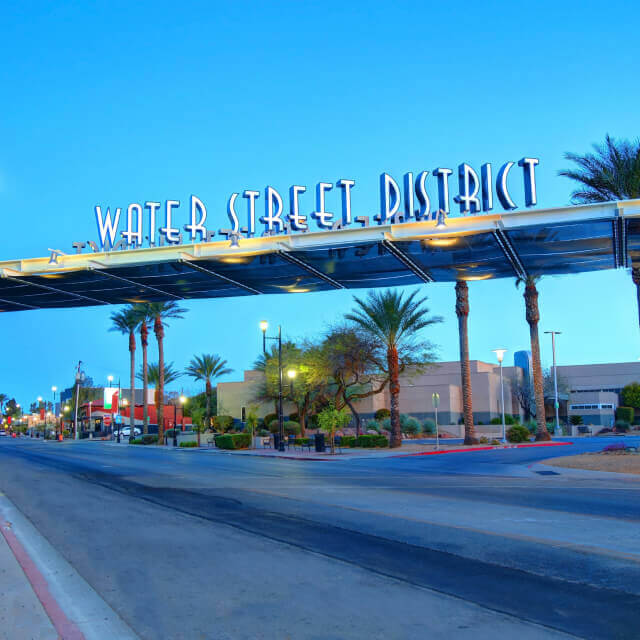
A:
(594, 393)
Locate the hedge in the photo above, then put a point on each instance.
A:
(233, 441)
(269, 418)
(625, 413)
(348, 441)
(191, 443)
(370, 440)
(381, 414)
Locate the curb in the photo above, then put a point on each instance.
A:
(490, 448)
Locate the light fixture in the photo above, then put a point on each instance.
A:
(291, 374)
(109, 379)
(54, 389)
(264, 325)
(499, 354)
(183, 399)
(441, 216)
(39, 398)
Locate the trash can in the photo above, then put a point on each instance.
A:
(319, 442)
(276, 441)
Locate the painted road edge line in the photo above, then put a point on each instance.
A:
(63, 626)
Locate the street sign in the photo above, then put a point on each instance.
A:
(435, 398)
(118, 418)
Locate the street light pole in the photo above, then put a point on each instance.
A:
(500, 355)
(555, 379)
(263, 327)
(435, 399)
(75, 417)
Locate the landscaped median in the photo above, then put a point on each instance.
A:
(616, 458)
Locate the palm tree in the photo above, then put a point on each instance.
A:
(142, 311)
(125, 322)
(611, 173)
(3, 399)
(204, 368)
(171, 374)
(394, 322)
(462, 311)
(160, 311)
(533, 317)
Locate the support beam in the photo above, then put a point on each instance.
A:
(510, 253)
(309, 269)
(132, 283)
(19, 304)
(54, 290)
(407, 261)
(619, 239)
(197, 267)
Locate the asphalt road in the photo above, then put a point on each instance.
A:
(197, 544)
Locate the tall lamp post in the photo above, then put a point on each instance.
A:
(79, 379)
(555, 379)
(53, 408)
(435, 399)
(183, 400)
(263, 327)
(500, 355)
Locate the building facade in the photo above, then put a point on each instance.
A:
(593, 392)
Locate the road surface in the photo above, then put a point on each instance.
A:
(204, 544)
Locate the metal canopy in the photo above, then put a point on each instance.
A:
(535, 242)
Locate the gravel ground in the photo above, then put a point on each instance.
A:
(619, 462)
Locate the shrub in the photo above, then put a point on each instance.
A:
(303, 440)
(532, 425)
(233, 441)
(518, 433)
(411, 426)
(291, 428)
(191, 443)
(495, 442)
(135, 441)
(484, 440)
(508, 419)
(312, 421)
(381, 414)
(223, 423)
(576, 420)
(622, 426)
(348, 441)
(368, 441)
(386, 424)
(263, 433)
(295, 417)
(630, 395)
(625, 413)
(428, 425)
(149, 438)
(269, 418)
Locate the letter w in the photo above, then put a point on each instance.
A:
(107, 227)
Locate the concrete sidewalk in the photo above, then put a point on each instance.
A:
(41, 594)
(21, 612)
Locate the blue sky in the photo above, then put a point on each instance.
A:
(112, 102)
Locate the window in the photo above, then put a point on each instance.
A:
(589, 407)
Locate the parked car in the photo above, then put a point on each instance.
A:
(125, 432)
(3, 432)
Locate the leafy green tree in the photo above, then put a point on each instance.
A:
(351, 362)
(630, 395)
(206, 368)
(125, 322)
(331, 419)
(394, 321)
(3, 398)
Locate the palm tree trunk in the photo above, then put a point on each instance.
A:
(159, 331)
(354, 413)
(394, 391)
(144, 333)
(132, 394)
(462, 311)
(533, 317)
